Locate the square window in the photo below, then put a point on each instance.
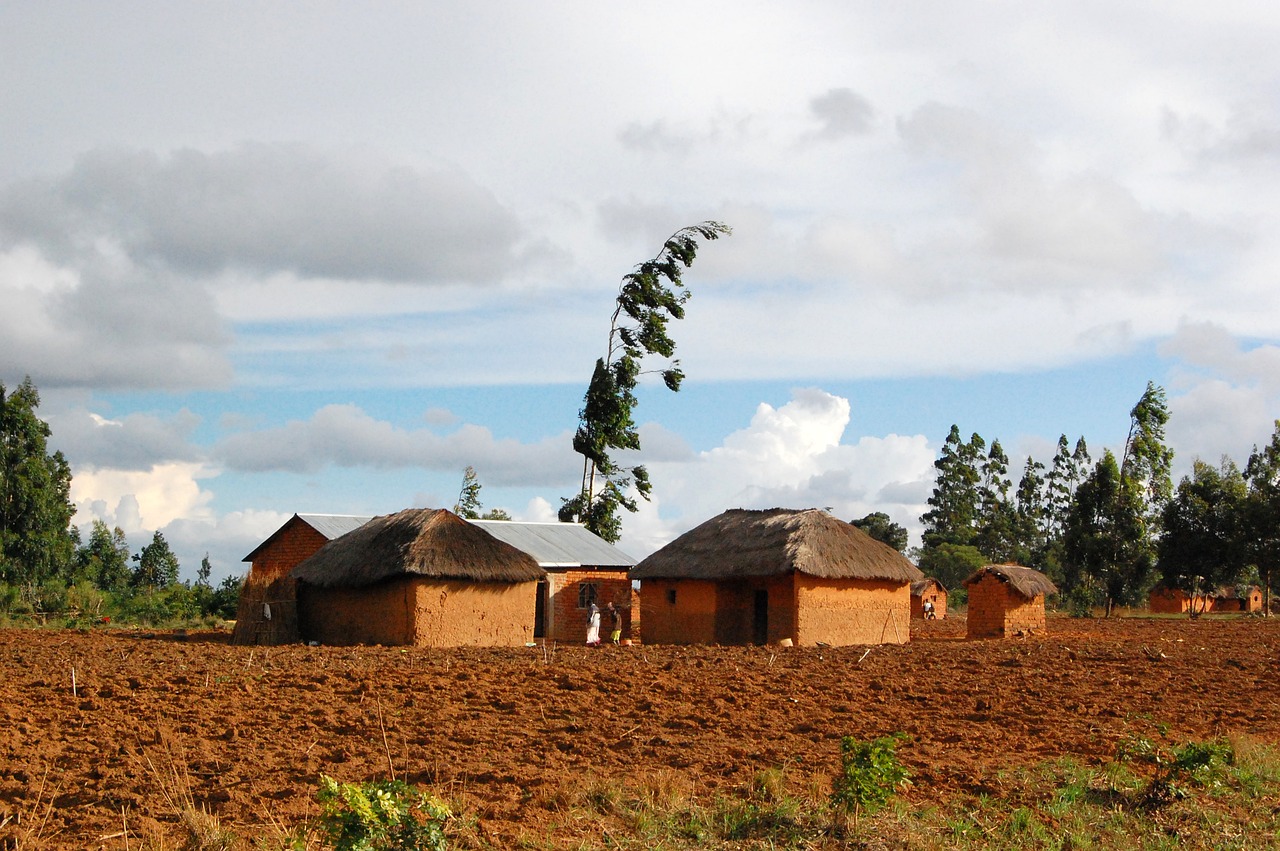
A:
(588, 593)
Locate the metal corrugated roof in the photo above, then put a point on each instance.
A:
(334, 525)
(330, 525)
(557, 544)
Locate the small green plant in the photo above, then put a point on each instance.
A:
(1174, 770)
(870, 774)
(382, 816)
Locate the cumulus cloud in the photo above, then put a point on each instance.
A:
(346, 436)
(793, 456)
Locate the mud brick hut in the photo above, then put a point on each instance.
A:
(422, 577)
(931, 590)
(1164, 600)
(581, 568)
(1236, 600)
(267, 613)
(759, 577)
(1006, 600)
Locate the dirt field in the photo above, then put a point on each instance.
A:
(106, 731)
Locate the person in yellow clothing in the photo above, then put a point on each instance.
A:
(615, 623)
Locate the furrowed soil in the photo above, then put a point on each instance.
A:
(107, 735)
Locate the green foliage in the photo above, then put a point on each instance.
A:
(1107, 539)
(648, 299)
(870, 774)
(879, 526)
(1203, 544)
(951, 564)
(468, 504)
(104, 558)
(380, 816)
(1174, 771)
(157, 566)
(36, 543)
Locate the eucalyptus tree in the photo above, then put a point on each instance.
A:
(953, 505)
(649, 297)
(1262, 511)
(35, 507)
(157, 566)
(1203, 543)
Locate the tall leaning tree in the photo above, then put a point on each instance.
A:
(649, 297)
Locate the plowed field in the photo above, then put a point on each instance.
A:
(105, 735)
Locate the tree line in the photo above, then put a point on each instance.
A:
(1106, 531)
(47, 570)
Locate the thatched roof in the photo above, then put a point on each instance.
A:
(429, 542)
(1027, 581)
(918, 588)
(744, 543)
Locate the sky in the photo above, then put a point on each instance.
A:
(265, 258)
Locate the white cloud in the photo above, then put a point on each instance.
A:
(139, 500)
(792, 457)
(346, 436)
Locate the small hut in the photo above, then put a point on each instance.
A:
(928, 590)
(267, 612)
(1167, 600)
(1229, 599)
(1006, 599)
(422, 577)
(760, 577)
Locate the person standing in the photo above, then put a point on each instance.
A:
(593, 625)
(615, 623)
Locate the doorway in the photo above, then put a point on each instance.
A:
(760, 620)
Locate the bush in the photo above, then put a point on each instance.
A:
(381, 816)
(870, 774)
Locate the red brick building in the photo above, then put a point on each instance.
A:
(1006, 600)
(581, 568)
(268, 613)
(928, 590)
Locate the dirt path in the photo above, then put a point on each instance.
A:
(151, 719)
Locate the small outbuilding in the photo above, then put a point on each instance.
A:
(1006, 600)
(928, 590)
(761, 577)
(422, 577)
(1228, 599)
(1166, 600)
(582, 568)
(267, 612)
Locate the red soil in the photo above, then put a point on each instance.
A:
(151, 718)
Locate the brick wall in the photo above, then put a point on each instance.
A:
(997, 611)
(268, 583)
(567, 622)
(939, 599)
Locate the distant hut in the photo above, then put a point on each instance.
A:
(1228, 599)
(1167, 600)
(267, 612)
(758, 577)
(1006, 599)
(422, 577)
(928, 590)
(581, 567)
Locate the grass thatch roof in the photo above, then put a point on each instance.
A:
(1027, 581)
(921, 586)
(429, 542)
(744, 543)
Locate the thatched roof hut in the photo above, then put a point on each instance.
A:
(928, 590)
(1006, 599)
(743, 543)
(421, 576)
(430, 542)
(759, 576)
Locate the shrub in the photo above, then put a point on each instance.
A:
(382, 816)
(870, 774)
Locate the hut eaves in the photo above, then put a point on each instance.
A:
(426, 542)
(752, 543)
